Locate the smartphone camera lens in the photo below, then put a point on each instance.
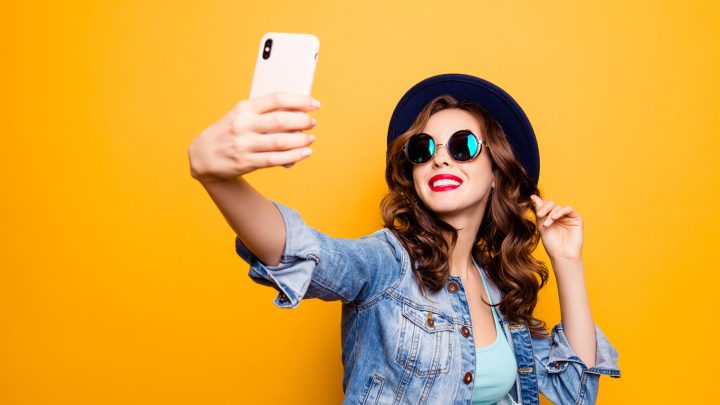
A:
(266, 48)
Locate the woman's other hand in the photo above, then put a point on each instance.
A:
(560, 229)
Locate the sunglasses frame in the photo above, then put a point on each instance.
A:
(481, 144)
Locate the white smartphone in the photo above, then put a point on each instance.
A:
(285, 62)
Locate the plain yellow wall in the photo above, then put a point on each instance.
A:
(119, 283)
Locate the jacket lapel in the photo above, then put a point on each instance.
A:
(521, 344)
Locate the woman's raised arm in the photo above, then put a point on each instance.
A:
(253, 135)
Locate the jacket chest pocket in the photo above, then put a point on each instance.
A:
(425, 341)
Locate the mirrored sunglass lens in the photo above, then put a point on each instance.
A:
(463, 145)
(420, 148)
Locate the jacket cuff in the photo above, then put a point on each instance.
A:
(292, 275)
(561, 353)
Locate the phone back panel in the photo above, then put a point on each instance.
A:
(290, 67)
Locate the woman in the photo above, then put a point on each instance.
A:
(437, 305)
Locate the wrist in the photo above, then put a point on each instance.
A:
(571, 260)
(208, 180)
(566, 268)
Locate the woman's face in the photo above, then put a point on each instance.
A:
(465, 201)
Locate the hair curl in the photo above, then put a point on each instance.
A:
(507, 235)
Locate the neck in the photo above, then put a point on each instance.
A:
(461, 262)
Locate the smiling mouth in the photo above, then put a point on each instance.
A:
(444, 183)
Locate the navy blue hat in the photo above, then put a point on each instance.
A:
(466, 88)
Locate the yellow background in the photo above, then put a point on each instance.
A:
(119, 283)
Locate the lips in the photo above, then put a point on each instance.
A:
(444, 182)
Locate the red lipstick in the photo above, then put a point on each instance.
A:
(450, 182)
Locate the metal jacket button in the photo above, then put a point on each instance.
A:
(452, 287)
(465, 331)
(467, 378)
(283, 297)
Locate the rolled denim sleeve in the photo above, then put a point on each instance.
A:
(315, 265)
(563, 377)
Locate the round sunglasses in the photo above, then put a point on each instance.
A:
(462, 146)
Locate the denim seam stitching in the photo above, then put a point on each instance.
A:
(583, 387)
(368, 303)
(325, 286)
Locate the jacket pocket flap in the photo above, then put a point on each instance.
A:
(427, 319)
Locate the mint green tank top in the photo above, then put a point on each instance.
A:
(495, 366)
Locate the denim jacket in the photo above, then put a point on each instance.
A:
(399, 347)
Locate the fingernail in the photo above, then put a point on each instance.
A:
(315, 103)
(306, 152)
(314, 121)
(312, 138)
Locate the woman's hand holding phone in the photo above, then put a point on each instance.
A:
(253, 135)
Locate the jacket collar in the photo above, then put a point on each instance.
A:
(493, 290)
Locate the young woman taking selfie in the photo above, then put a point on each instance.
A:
(437, 306)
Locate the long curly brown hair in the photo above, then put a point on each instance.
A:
(508, 233)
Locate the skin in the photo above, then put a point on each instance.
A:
(560, 230)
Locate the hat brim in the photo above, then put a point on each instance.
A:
(466, 88)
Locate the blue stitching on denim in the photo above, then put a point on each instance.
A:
(369, 302)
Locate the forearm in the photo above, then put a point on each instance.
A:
(577, 319)
(251, 215)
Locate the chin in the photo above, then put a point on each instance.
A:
(449, 206)
(444, 208)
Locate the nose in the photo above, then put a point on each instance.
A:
(441, 158)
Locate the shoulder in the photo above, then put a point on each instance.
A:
(386, 239)
(385, 261)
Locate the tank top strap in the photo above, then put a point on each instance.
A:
(493, 310)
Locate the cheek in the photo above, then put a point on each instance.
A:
(482, 176)
(417, 179)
